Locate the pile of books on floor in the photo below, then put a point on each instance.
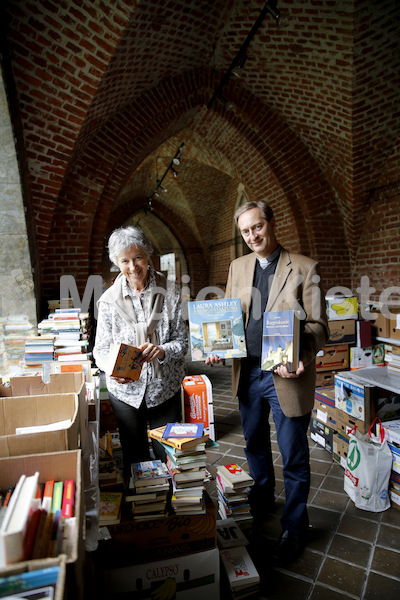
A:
(232, 484)
(110, 477)
(149, 489)
(242, 576)
(186, 462)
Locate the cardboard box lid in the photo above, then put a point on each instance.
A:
(35, 386)
(27, 411)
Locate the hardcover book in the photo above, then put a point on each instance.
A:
(125, 361)
(179, 443)
(281, 340)
(110, 507)
(183, 430)
(149, 472)
(216, 327)
(239, 568)
(234, 476)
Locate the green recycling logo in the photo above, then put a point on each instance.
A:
(353, 456)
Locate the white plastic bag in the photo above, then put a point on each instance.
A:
(369, 462)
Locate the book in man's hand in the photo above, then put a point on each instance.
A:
(216, 327)
(125, 361)
(280, 340)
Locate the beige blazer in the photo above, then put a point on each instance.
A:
(295, 286)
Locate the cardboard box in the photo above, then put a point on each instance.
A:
(325, 379)
(379, 325)
(396, 457)
(197, 402)
(395, 498)
(360, 357)
(332, 358)
(358, 397)
(322, 434)
(161, 538)
(58, 466)
(34, 565)
(191, 577)
(341, 308)
(342, 332)
(63, 383)
(340, 448)
(392, 430)
(324, 406)
(345, 423)
(394, 324)
(353, 397)
(28, 411)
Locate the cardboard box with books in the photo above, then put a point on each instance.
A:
(59, 383)
(36, 424)
(58, 466)
(33, 580)
(174, 535)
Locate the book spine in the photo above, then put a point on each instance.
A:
(68, 502)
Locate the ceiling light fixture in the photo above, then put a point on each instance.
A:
(176, 160)
(239, 61)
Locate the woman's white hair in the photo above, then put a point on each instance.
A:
(124, 237)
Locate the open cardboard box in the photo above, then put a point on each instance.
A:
(28, 411)
(58, 466)
(35, 565)
(60, 383)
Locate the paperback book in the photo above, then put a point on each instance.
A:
(179, 443)
(281, 340)
(239, 568)
(183, 430)
(216, 327)
(149, 472)
(234, 476)
(110, 508)
(125, 361)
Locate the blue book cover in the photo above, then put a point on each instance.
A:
(216, 327)
(281, 340)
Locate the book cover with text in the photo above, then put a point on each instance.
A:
(281, 340)
(216, 327)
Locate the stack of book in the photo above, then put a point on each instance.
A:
(70, 328)
(110, 478)
(149, 489)
(16, 329)
(186, 462)
(242, 575)
(38, 349)
(232, 484)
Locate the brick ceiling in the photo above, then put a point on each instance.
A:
(103, 93)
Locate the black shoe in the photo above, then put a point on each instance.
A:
(289, 547)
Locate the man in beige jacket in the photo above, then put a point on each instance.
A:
(271, 279)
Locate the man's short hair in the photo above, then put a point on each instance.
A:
(266, 210)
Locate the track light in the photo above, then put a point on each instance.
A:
(237, 70)
(227, 103)
(176, 160)
(280, 19)
(174, 173)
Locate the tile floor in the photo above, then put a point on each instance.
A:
(351, 553)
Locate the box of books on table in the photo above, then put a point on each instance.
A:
(44, 515)
(58, 383)
(139, 540)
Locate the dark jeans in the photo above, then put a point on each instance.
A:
(257, 396)
(132, 425)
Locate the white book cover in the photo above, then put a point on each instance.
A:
(239, 567)
(229, 534)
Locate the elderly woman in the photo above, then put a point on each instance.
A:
(144, 310)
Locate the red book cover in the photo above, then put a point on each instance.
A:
(68, 502)
(48, 495)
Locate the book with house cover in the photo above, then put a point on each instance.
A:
(179, 443)
(149, 472)
(125, 361)
(239, 568)
(183, 430)
(281, 340)
(216, 327)
(234, 476)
